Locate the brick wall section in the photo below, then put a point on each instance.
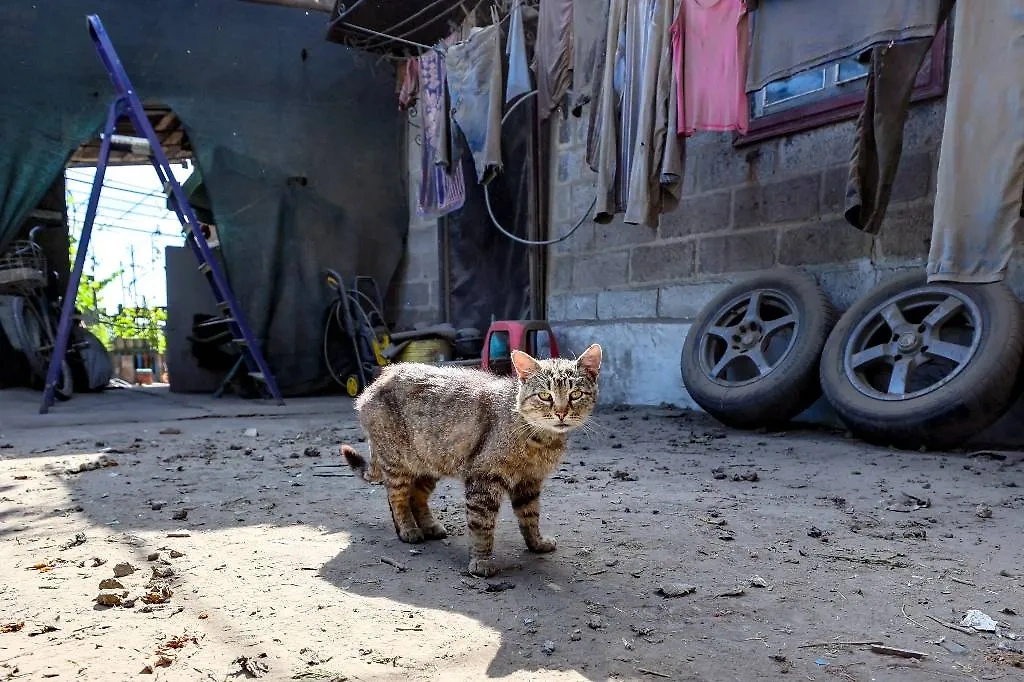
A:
(743, 210)
(415, 294)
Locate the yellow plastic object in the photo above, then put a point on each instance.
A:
(381, 340)
(352, 385)
(427, 350)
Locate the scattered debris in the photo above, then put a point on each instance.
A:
(111, 597)
(669, 590)
(43, 566)
(895, 651)
(595, 623)
(983, 511)
(737, 592)
(253, 667)
(179, 534)
(180, 515)
(500, 586)
(203, 615)
(391, 562)
(124, 568)
(21, 477)
(952, 647)
(161, 596)
(548, 647)
(79, 539)
(655, 673)
(839, 643)
(111, 584)
(97, 562)
(979, 621)
(250, 433)
(170, 431)
(157, 505)
(719, 474)
(311, 452)
(907, 503)
(1008, 611)
(163, 572)
(12, 627)
(620, 475)
(101, 462)
(714, 521)
(175, 554)
(746, 476)
(951, 626)
(153, 556)
(757, 581)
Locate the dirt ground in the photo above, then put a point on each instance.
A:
(258, 555)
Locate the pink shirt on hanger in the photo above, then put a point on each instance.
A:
(709, 50)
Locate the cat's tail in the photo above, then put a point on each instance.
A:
(365, 469)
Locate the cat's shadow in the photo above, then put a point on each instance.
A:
(532, 602)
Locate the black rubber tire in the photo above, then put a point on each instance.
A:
(792, 386)
(946, 417)
(35, 332)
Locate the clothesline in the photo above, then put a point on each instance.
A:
(390, 34)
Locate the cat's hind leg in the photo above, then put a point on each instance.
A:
(431, 527)
(483, 500)
(400, 497)
(526, 504)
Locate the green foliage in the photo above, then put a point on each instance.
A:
(142, 323)
(146, 324)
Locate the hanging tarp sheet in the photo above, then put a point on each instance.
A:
(488, 272)
(299, 141)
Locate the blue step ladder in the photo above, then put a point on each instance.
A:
(128, 103)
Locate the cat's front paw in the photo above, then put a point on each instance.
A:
(411, 535)
(435, 532)
(542, 546)
(484, 568)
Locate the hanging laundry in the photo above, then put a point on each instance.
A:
(442, 189)
(638, 157)
(409, 77)
(518, 68)
(795, 35)
(709, 47)
(553, 54)
(978, 199)
(589, 31)
(876, 155)
(474, 82)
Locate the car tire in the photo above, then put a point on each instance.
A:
(918, 365)
(750, 359)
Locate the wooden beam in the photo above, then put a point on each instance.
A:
(308, 5)
(165, 122)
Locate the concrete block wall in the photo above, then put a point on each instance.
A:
(635, 288)
(415, 294)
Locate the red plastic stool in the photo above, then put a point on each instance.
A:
(504, 336)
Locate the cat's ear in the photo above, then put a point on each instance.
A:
(590, 361)
(524, 364)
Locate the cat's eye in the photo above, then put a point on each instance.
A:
(545, 396)
(576, 395)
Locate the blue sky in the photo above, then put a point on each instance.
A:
(132, 214)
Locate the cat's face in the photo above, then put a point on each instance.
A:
(558, 395)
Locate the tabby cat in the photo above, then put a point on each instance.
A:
(500, 435)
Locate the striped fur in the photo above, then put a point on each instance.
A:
(501, 436)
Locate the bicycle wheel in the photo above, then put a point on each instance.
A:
(36, 339)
